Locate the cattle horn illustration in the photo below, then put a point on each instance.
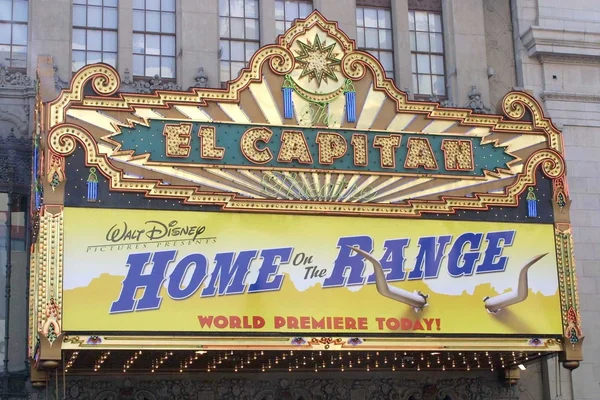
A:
(417, 300)
(496, 303)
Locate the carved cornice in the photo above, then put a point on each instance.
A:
(148, 85)
(425, 5)
(558, 42)
(475, 103)
(569, 59)
(570, 96)
(15, 84)
(374, 3)
(13, 79)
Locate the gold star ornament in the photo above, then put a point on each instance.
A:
(317, 60)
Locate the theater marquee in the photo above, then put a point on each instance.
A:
(232, 272)
(310, 204)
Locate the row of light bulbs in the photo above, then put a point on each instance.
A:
(101, 360)
(319, 360)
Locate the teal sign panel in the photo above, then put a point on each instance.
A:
(229, 137)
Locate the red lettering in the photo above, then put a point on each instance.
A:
(221, 321)
(428, 322)
(362, 323)
(350, 323)
(406, 324)
(318, 324)
(305, 322)
(392, 324)
(279, 322)
(292, 322)
(338, 323)
(308, 323)
(380, 322)
(235, 322)
(205, 320)
(418, 326)
(258, 322)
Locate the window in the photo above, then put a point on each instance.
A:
(427, 53)
(13, 33)
(239, 33)
(154, 38)
(94, 32)
(287, 11)
(374, 34)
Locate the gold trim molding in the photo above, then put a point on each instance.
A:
(346, 343)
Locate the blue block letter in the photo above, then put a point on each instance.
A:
(392, 260)
(460, 261)
(268, 279)
(431, 253)
(135, 279)
(229, 273)
(346, 261)
(494, 261)
(174, 288)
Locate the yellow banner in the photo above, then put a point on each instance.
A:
(181, 271)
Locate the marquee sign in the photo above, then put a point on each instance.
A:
(256, 210)
(330, 135)
(240, 273)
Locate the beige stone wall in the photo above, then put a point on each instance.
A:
(50, 34)
(499, 50)
(558, 58)
(466, 58)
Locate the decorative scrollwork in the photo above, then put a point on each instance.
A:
(62, 139)
(72, 339)
(353, 65)
(327, 342)
(8, 78)
(106, 82)
(316, 18)
(281, 61)
(514, 106)
(381, 387)
(553, 167)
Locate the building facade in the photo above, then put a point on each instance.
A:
(461, 53)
